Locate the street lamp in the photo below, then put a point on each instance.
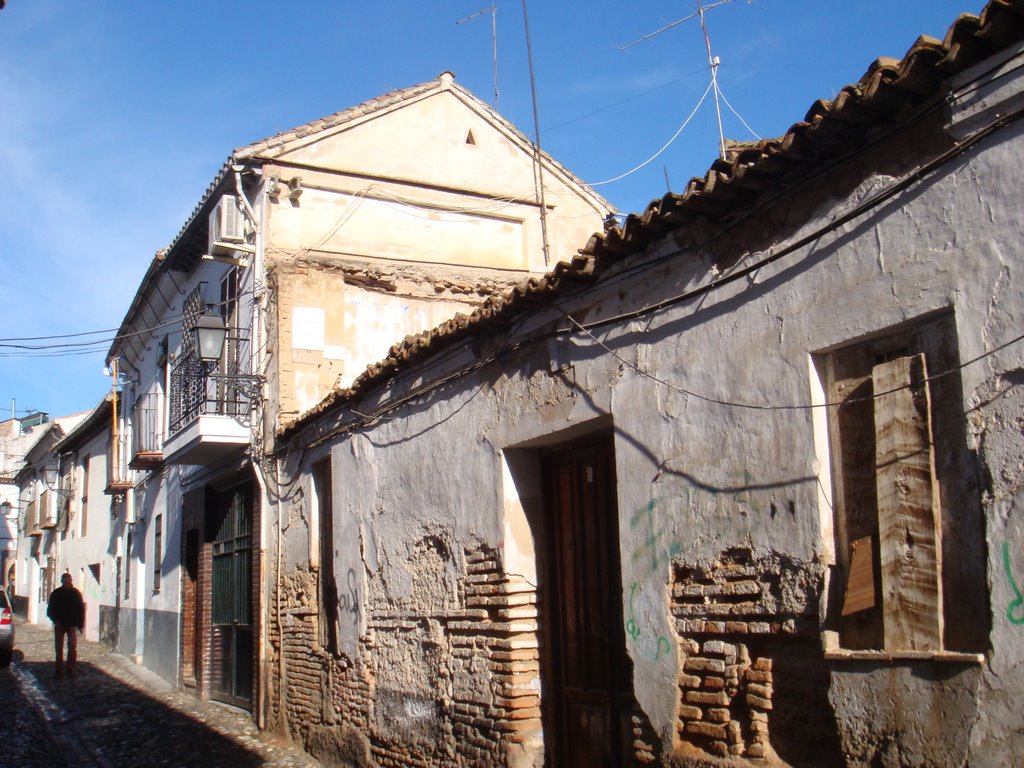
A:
(208, 337)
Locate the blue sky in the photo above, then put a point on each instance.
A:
(115, 116)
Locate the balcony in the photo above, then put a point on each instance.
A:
(118, 480)
(118, 486)
(209, 417)
(147, 432)
(32, 521)
(47, 511)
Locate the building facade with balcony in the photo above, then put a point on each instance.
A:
(310, 254)
(38, 511)
(97, 526)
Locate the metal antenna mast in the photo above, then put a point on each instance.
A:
(538, 165)
(713, 61)
(493, 10)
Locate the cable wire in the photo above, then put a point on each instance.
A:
(651, 159)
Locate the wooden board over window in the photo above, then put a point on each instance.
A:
(908, 507)
(860, 587)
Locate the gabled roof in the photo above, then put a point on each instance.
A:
(184, 252)
(265, 149)
(889, 94)
(272, 144)
(271, 147)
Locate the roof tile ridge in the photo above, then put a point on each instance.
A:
(334, 119)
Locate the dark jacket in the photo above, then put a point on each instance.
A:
(66, 607)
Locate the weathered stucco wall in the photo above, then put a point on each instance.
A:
(332, 319)
(402, 222)
(724, 497)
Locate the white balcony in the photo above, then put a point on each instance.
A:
(206, 439)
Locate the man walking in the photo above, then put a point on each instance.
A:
(66, 610)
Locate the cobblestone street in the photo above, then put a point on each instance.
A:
(115, 713)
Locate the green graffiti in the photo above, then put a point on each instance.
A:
(1012, 610)
(632, 629)
(655, 546)
(662, 640)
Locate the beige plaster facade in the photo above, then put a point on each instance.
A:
(390, 218)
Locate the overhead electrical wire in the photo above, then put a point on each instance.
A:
(768, 200)
(668, 143)
(85, 347)
(738, 115)
(866, 205)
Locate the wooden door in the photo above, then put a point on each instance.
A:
(588, 679)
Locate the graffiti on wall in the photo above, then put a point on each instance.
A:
(728, 511)
(1015, 608)
(655, 648)
(348, 602)
(656, 548)
(730, 505)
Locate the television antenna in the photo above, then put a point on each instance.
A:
(493, 10)
(713, 61)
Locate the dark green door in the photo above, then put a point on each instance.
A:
(231, 599)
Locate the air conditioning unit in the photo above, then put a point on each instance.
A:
(227, 225)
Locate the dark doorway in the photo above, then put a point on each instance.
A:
(231, 599)
(588, 695)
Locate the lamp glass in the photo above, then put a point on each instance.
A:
(209, 334)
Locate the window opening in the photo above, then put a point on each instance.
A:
(900, 476)
(158, 532)
(128, 566)
(328, 584)
(85, 495)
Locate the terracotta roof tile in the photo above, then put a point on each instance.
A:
(889, 92)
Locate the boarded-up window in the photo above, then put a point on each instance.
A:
(900, 473)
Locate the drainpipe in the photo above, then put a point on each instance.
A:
(256, 451)
(241, 196)
(264, 599)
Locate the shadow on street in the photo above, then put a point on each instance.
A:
(119, 725)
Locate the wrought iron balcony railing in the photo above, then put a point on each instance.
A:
(196, 391)
(147, 431)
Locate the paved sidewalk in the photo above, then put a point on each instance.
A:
(114, 713)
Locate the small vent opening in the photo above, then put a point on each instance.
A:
(470, 139)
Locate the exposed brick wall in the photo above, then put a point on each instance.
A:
(204, 617)
(747, 625)
(726, 697)
(476, 700)
(740, 595)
